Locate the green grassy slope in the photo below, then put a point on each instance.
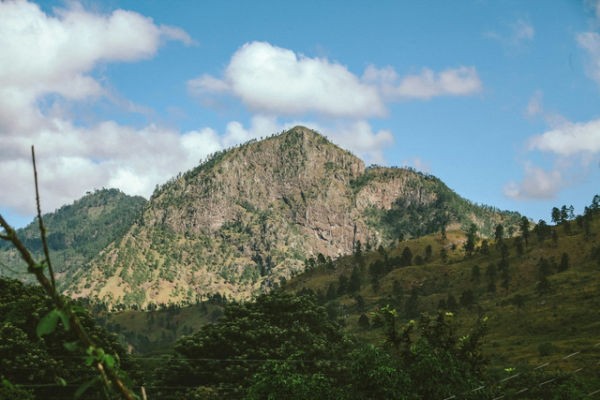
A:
(530, 322)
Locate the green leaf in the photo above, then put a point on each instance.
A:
(61, 381)
(47, 324)
(109, 360)
(79, 310)
(85, 386)
(64, 318)
(71, 346)
(6, 382)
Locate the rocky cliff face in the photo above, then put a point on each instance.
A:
(250, 216)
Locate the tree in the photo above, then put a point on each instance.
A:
(556, 215)
(277, 326)
(542, 230)
(499, 233)
(564, 213)
(358, 250)
(363, 322)
(342, 285)
(406, 257)
(355, 280)
(524, 228)
(467, 298)
(475, 274)
(490, 273)
(331, 292)
(360, 303)
(484, 247)
(564, 262)
(470, 243)
(411, 307)
(444, 255)
(428, 252)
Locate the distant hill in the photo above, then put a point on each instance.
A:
(251, 215)
(76, 233)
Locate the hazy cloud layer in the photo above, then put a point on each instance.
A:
(590, 42)
(536, 184)
(516, 35)
(461, 81)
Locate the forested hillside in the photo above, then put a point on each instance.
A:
(540, 289)
(75, 233)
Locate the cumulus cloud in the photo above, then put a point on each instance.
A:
(536, 184)
(460, 81)
(73, 160)
(43, 54)
(572, 145)
(54, 55)
(274, 80)
(569, 139)
(271, 79)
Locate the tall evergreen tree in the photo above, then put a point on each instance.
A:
(524, 227)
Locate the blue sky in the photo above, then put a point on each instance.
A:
(499, 99)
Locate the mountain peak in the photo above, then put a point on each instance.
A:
(251, 215)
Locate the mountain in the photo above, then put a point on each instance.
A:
(251, 215)
(76, 233)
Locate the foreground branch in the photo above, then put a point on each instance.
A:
(110, 376)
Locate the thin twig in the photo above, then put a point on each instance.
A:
(50, 289)
(42, 228)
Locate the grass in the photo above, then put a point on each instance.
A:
(538, 329)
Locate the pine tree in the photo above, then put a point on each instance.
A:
(355, 280)
(564, 263)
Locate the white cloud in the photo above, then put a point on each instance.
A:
(277, 81)
(569, 139)
(73, 160)
(590, 41)
(358, 136)
(43, 54)
(274, 80)
(522, 31)
(536, 184)
(516, 35)
(574, 146)
(535, 106)
(460, 81)
(419, 164)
